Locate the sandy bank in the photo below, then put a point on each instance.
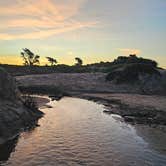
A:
(75, 82)
(126, 100)
(134, 100)
(41, 100)
(133, 107)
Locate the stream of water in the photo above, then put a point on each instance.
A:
(77, 132)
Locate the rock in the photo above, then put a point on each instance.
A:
(14, 116)
(107, 111)
(48, 106)
(8, 88)
(129, 118)
(56, 97)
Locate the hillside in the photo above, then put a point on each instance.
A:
(14, 115)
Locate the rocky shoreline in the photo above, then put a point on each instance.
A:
(126, 100)
(15, 116)
(15, 113)
(127, 106)
(18, 118)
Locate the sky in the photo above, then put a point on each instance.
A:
(94, 30)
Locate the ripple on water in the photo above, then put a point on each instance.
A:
(76, 132)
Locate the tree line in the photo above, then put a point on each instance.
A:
(30, 59)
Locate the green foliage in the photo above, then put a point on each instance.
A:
(29, 57)
(131, 72)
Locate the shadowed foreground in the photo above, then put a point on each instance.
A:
(15, 115)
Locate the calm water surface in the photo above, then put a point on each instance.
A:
(77, 132)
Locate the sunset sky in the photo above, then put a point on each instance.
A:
(95, 30)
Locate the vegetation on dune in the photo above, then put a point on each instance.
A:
(79, 61)
(52, 61)
(134, 59)
(123, 61)
(60, 68)
(29, 58)
(131, 62)
(130, 69)
(131, 73)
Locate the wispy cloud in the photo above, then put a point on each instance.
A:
(40, 18)
(128, 51)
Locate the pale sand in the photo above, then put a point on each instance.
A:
(94, 84)
(134, 100)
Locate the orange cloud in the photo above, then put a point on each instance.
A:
(44, 33)
(39, 8)
(40, 19)
(127, 51)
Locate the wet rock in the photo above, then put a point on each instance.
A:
(107, 111)
(48, 106)
(129, 118)
(56, 97)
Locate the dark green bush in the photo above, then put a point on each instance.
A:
(134, 59)
(130, 73)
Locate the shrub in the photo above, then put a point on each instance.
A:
(131, 72)
(134, 59)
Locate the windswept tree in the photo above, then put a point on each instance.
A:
(52, 61)
(79, 61)
(29, 58)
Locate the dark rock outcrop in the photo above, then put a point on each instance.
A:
(14, 115)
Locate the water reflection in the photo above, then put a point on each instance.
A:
(77, 132)
(7, 148)
(154, 136)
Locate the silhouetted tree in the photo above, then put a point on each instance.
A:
(29, 57)
(79, 61)
(52, 61)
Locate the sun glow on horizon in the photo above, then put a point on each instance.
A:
(92, 30)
